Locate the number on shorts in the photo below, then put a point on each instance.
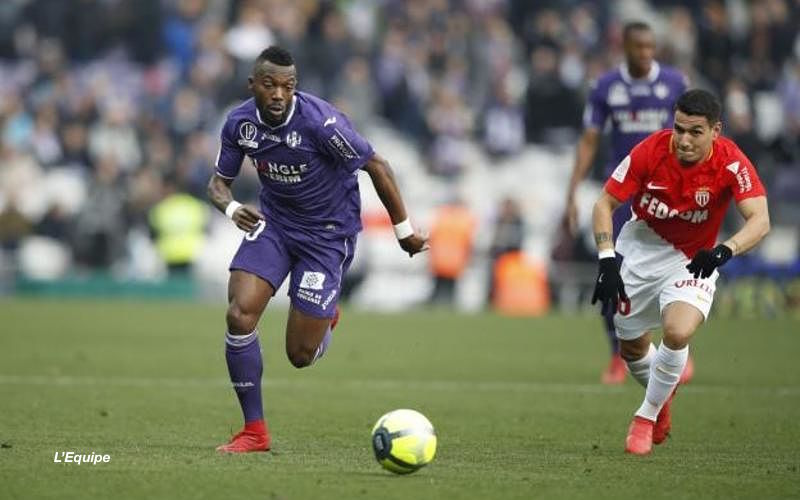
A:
(624, 306)
(260, 225)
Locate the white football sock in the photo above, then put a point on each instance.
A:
(640, 368)
(665, 371)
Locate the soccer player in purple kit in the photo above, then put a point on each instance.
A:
(307, 155)
(637, 98)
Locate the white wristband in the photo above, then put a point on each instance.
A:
(403, 230)
(231, 208)
(608, 252)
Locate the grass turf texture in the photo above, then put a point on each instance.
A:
(516, 404)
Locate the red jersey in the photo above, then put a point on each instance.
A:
(684, 205)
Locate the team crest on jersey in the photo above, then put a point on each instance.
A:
(702, 196)
(618, 95)
(293, 139)
(661, 90)
(247, 134)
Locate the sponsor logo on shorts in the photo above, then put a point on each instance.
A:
(312, 280)
(695, 283)
(308, 296)
(328, 300)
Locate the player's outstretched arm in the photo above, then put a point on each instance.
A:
(383, 179)
(246, 217)
(584, 155)
(609, 288)
(756, 226)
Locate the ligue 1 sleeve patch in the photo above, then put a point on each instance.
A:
(247, 135)
(312, 280)
(622, 169)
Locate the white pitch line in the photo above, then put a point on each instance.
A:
(377, 384)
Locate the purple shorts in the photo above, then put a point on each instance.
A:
(316, 264)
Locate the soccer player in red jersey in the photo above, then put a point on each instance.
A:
(634, 100)
(680, 182)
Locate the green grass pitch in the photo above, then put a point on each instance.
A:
(516, 403)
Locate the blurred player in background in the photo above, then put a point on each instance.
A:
(637, 98)
(307, 155)
(680, 183)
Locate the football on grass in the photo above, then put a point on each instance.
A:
(403, 441)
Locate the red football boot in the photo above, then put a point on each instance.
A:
(664, 421)
(616, 371)
(640, 436)
(688, 371)
(254, 437)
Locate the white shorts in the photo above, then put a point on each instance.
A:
(648, 298)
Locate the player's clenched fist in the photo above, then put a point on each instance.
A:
(414, 244)
(608, 288)
(246, 217)
(705, 261)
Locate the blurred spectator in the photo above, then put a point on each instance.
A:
(450, 122)
(99, 228)
(14, 225)
(114, 138)
(715, 45)
(451, 241)
(179, 222)
(550, 106)
(508, 236)
(503, 124)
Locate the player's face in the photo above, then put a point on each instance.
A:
(640, 49)
(273, 87)
(692, 137)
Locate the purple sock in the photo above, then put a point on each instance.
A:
(243, 354)
(323, 346)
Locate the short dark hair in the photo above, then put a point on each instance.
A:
(699, 102)
(632, 26)
(275, 55)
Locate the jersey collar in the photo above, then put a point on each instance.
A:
(652, 76)
(288, 117)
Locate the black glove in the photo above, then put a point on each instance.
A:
(705, 261)
(608, 288)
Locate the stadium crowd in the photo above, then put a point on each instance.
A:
(108, 106)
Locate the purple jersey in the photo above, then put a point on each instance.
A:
(635, 107)
(307, 165)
